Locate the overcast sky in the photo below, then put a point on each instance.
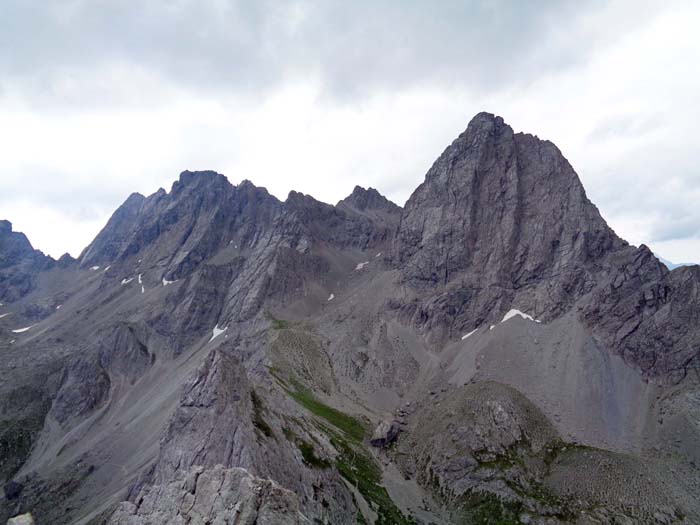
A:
(101, 98)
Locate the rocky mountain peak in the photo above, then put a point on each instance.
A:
(19, 263)
(198, 178)
(509, 205)
(226, 359)
(362, 199)
(13, 245)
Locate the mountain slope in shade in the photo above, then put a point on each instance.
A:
(492, 352)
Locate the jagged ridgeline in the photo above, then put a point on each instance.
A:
(492, 352)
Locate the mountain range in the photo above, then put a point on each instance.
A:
(492, 352)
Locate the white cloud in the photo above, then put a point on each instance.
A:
(318, 99)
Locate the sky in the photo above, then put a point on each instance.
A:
(102, 98)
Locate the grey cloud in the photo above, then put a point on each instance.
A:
(652, 185)
(353, 48)
(626, 125)
(57, 190)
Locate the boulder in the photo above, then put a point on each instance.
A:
(22, 519)
(386, 433)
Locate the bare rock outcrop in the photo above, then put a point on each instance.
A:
(225, 496)
(385, 433)
(502, 221)
(19, 264)
(23, 519)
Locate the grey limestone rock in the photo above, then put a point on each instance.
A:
(19, 264)
(23, 519)
(385, 433)
(218, 355)
(216, 495)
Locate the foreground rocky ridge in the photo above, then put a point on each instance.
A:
(217, 354)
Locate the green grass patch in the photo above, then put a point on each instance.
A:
(353, 462)
(360, 469)
(308, 453)
(288, 433)
(351, 426)
(258, 409)
(278, 324)
(487, 509)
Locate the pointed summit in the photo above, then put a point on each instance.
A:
(19, 263)
(362, 199)
(507, 203)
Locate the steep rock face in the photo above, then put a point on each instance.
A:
(202, 213)
(649, 315)
(120, 355)
(19, 264)
(502, 221)
(371, 203)
(505, 205)
(222, 419)
(112, 240)
(343, 226)
(498, 213)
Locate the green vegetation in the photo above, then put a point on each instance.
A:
(309, 455)
(349, 425)
(15, 445)
(353, 462)
(487, 509)
(358, 467)
(278, 324)
(289, 433)
(258, 409)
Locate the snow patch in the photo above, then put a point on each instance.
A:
(13, 341)
(59, 307)
(492, 327)
(20, 330)
(3, 315)
(108, 267)
(143, 290)
(140, 281)
(331, 297)
(378, 255)
(95, 268)
(512, 313)
(470, 333)
(361, 265)
(217, 332)
(166, 282)
(127, 281)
